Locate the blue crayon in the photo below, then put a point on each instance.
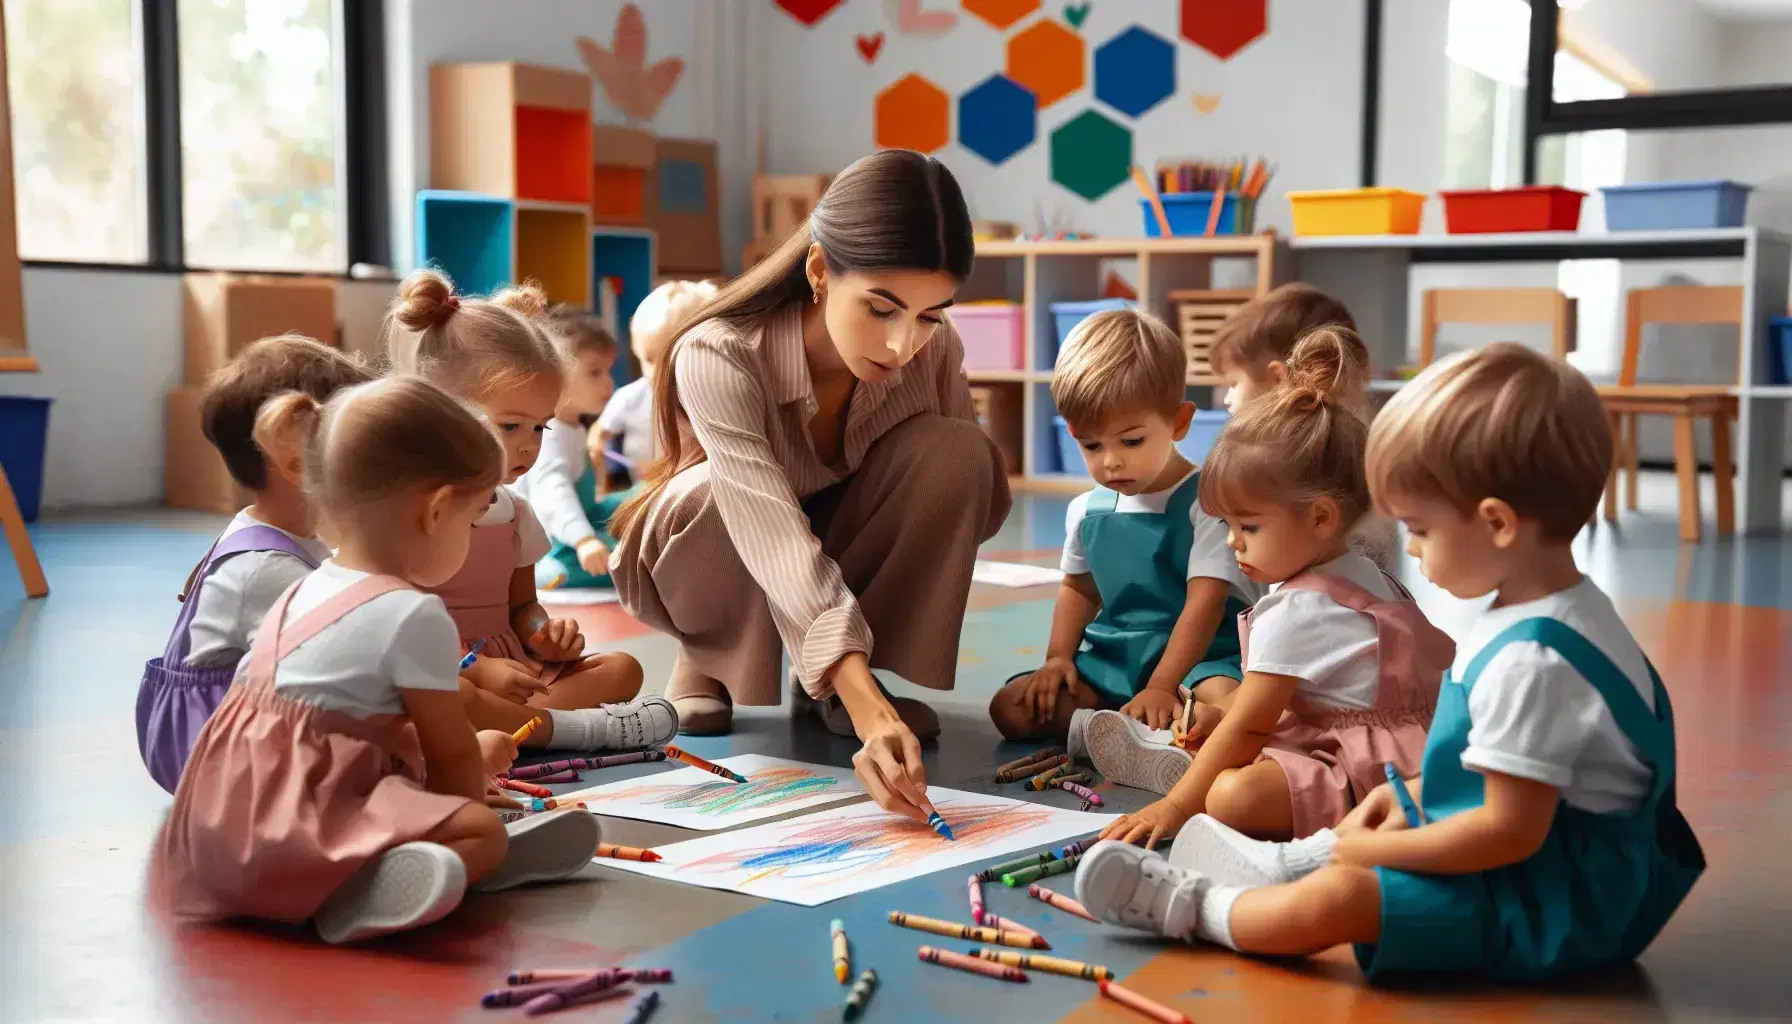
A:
(1413, 818)
(644, 1009)
(938, 824)
(472, 654)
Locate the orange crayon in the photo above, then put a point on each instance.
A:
(627, 853)
(680, 754)
(526, 731)
(1150, 1008)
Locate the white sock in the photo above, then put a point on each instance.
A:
(573, 730)
(1302, 857)
(1215, 924)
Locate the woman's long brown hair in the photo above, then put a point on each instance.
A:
(892, 210)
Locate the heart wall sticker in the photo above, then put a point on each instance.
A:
(1207, 102)
(912, 19)
(808, 11)
(870, 46)
(1076, 14)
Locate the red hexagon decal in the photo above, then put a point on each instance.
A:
(1224, 27)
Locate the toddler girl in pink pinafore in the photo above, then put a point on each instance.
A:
(340, 781)
(493, 355)
(1341, 669)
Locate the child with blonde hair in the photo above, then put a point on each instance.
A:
(564, 487)
(627, 422)
(1546, 840)
(340, 781)
(493, 355)
(1341, 667)
(267, 547)
(1151, 594)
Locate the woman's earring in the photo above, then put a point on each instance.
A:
(815, 293)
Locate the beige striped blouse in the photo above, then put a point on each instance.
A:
(749, 399)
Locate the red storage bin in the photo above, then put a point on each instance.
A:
(1531, 208)
(994, 335)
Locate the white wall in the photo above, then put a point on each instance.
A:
(1294, 96)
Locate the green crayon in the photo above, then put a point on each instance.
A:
(860, 995)
(1033, 874)
(992, 873)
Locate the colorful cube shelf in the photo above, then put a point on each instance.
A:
(553, 248)
(631, 256)
(621, 160)
(513, 130)
(470, 237)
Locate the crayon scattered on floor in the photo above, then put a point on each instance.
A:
(679, 753)
(1150, 1008)
(1060, 901)
(860, 995)
(947, 958)
(1033, 874)
(842, 956)
(968, 932)
(1049, 964)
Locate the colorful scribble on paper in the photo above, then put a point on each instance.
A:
(825, 855)
(693, 798)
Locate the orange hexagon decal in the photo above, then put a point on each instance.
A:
(1048, 59)
(913, 113)
(1001, 13)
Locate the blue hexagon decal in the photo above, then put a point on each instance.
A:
(1135, 71)
(997, 118)
(1091, 155)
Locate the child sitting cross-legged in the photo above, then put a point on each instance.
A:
(1151, 593)
(1545, 839)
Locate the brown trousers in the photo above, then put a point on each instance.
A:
(904, 530)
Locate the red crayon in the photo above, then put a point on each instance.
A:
(526, 788)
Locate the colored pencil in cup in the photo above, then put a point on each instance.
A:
(1059, 900)
(526, 731)
(1049, 964)
(1157, 204)
(947, 958)
(1150, 1008)
(972, 933)
(842, 958)
(680, 754)
(615, 852)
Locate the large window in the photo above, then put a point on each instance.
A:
(74, 79)
(259, 135)
(197, 133)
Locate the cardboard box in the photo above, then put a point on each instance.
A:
(686, 213)
(999, 414)
(622, 160)
(193, 473)
(361, 314)
(225, 312)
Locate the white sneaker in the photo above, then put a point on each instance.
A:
(1127, 885)
(1128, 752)
(544, 847)
(1076, 743)
(642, 722)
(408, 886)
(1230, 857)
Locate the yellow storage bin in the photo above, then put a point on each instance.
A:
(1357, 211)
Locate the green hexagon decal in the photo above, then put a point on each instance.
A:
(1091, 155)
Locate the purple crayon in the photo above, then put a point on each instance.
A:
(517, 995)
(1083, 791)
(553, 1001)
(536, 771)
(630, 758)
(557, 777)
(1078, 847)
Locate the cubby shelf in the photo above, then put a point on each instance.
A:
(514, 130)
(1037, 274)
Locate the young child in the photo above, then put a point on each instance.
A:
(627, 422)
(1151, 594)
(564, 487)
(340, 781)
(1546, 840)
(267, 548)
(1252, 348)
(1341, 667)
(493, 355)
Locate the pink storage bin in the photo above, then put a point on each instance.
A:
(994, 335)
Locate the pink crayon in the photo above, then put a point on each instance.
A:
(1006, 924)
(553, 1001)
(1078, 847)
(976, 891)
(1083, 791)
(536, 771)
(1062, 902)
(557, 777)
(517, 995)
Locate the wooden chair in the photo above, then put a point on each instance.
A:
(1496, 306)
(1686, 404)
(30, 570)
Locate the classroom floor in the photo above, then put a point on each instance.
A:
(80, 814)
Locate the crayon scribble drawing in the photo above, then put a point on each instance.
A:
(693, 798)
(824, 856)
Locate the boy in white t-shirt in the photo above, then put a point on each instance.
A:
(1151, 593)
(267, 547)
(626, 426)
(1544, 840)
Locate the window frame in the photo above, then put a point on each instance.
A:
(361, 149)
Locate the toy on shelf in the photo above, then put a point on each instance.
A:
(1199, 314)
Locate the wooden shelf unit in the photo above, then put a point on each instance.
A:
(1037, 274)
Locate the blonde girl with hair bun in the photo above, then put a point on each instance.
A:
(340, 780)
(495, 355)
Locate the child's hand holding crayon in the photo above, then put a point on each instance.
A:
(497, 751)
(1201, 721)
(557, 640)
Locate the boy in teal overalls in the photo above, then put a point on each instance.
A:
(1542, 836)
(1151, 593)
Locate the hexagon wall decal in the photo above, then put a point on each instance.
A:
(1048, 59)
(1001, 13)
(1135, 71)
(913, 113)
(997, 118)
(1091, 155)
(1224, 27)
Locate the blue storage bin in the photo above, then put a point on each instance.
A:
(1676, 205)
(1070, 454)
(1066, 315)
(1202, 433)
(1187, 213)
(1779, 351)
(24, 428)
